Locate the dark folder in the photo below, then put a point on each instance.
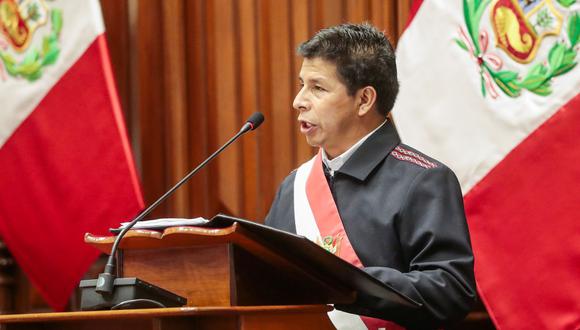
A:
(308, 254)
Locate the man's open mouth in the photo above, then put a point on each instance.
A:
(306, 127)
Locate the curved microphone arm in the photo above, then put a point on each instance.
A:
(105, 281)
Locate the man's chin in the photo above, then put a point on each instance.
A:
(312, 142)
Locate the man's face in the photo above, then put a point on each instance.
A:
(327, 114)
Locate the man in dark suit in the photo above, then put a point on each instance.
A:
(381, 205)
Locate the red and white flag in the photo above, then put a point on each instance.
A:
(66, 166)
(491, 88)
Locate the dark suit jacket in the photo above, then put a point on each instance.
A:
(407, 225)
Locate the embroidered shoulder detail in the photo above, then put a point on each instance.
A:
(410, 156)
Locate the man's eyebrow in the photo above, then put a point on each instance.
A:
(315, 80)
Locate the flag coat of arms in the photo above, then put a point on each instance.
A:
(66, 166)
(491, 88)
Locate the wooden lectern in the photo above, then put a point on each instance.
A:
(234, 273)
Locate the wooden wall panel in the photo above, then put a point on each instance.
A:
(197, 97)
(225, 102)
(332, 12)
(212, 118)
(282, 116)
(150, 103)
(403, 9)
(357, 11)
(249, 103)
(116, 17)
(300, 33)
(175, 105)
(203, 67)
(266, 153)
(316, 15)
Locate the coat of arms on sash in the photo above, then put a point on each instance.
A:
(29, 35)
(330, 244)
(521, 30)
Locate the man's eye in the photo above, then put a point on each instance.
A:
(318, 89)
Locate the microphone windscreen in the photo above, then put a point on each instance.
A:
(256, 119)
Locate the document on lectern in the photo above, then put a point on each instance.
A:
(161, 224)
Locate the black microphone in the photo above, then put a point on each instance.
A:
(255, 120)
(105, 281)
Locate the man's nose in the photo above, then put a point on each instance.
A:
(300, 103)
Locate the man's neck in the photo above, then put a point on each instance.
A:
(335, 163)
(332, 153)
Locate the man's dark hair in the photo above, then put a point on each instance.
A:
(363, 57)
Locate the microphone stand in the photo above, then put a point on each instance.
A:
(105, 283)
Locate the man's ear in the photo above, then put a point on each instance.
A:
(367, 99)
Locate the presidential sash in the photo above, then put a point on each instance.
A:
(317, 218)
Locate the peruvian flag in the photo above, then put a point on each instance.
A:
(66, 166)
(492, 89)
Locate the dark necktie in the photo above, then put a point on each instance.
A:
(329, 179)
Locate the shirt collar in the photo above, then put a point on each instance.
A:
(336, 163)
(374, 150)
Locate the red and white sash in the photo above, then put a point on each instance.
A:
(317, 218)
